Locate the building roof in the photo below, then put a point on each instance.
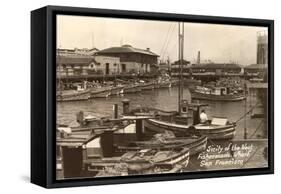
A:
(127, 49)
(216, 66)
(75, 60)
(77, 51)
(256, 66)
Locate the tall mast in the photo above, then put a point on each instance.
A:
(181, 47)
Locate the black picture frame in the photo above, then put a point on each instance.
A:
(43, 100)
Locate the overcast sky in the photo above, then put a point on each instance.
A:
(219, 43)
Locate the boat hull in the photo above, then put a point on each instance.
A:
(211, 131)
(101, 94)
(116, 91)
(156, 126)
(131, 89)
(195, 145)
(151, 165)
(149, 86)
(76, 96)
(213, 97)
(216, 132)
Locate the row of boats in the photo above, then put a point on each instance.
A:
(197, 92)
(106, 91)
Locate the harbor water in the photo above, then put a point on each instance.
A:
(164, 99)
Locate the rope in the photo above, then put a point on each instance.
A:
(246, 113)
(257, 129)
(168, 42)
(165, 42)
(250, 157)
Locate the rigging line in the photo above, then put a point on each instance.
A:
(250, 157)
(247, 112)
(261, 124)
(166, 39)
(169, 39)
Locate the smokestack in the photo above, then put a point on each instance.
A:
(198, 58)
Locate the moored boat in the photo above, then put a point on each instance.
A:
(100, 93)
(117, 90)
(212, 131)
(73, 95)
(147, 86)
(215, 94)
(218, 128)
(195, 144)
(132, 89)
(145, 161)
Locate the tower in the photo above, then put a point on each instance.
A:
(262, 47)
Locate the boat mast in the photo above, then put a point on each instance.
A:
(181, 41)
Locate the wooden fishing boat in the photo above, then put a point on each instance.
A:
(218, 128)
(195, 144)
(212, 131)
(152, 161)
(132, 89)
(215, 94)
(117, 90)
(147, 86)
(145, 161)
(73, 95)
(100, 93)
(158, 126)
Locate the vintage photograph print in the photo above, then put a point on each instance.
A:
(142, 97)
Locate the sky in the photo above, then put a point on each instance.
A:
(218, 43)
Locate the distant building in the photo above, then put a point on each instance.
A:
(176, 68)
(105, 65)
(216, 68)
(257, 70)
(87, 65)
(132, 60)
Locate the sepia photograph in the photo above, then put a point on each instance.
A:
(141, 97)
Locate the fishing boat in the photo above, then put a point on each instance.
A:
(73, 95)
(215, 94)
(100, 92)
(217, 128)
(132, 88)
(147, 86)
(145, 161)
(195, 144)
(117, 90)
